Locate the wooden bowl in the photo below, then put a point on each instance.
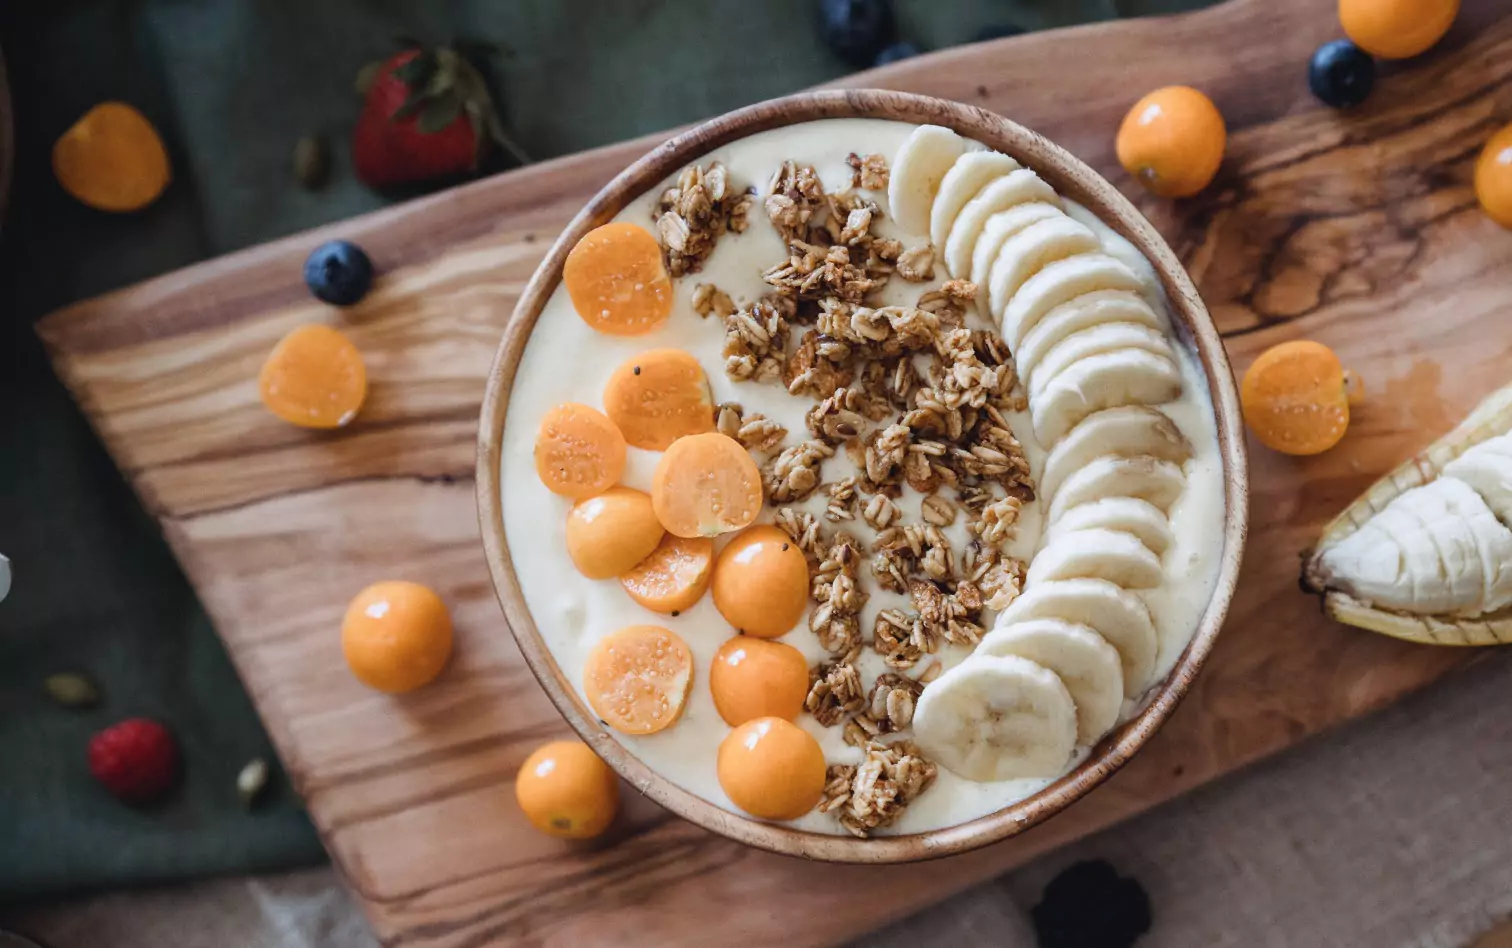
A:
(1068, 176)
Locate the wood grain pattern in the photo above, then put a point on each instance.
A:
(1358, 229)
(1070, 178)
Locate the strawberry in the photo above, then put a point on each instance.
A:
(136, 760)
(427, 115)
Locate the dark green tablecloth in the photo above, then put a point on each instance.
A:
(233, 84)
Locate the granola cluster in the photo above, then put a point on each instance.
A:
(875, 793)
(693, 214)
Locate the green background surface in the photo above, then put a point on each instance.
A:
(232, 85)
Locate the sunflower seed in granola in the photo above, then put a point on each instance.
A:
(710, 300)
(916, 264)
(937, 510)
(794, 473)
(869, 173)
(838, 631)
(880, 512)
(803, 527)
(842, 500)
(835, 690)
(837, 418)
(808, 372)
(997, 523)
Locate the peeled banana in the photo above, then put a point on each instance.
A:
(1426, 553)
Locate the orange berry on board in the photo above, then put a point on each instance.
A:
(396, 636)
(1172, 141)
(1493, 177)
(1296, 398)
(578, 451)
(638, 679)
(608, 534)
(761, 582)
(758, 678)
(1397, 29)
(673, 578)
(112, 159)
(659, 396)
(771, 768)
(567, 791)
(705, 485)
(617, 282)
(314, 378)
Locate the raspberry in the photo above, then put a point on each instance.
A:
(136, 760)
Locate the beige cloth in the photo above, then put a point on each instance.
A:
(1388, 834)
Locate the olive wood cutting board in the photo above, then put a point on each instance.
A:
(1358, 229)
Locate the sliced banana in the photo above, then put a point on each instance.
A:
(996, 717)
(1133, 516)
(1012, 189)
(917, 170)
(998, 229)
(1487, 468)
(1113, 612)
(1085, 662)
(1125, 431)
(1061, 281)
(1109, 337)
(1109, 380)
(1084, 312)
(1028, 251)
(1145, 478)
(971, 173)
(1096, 553)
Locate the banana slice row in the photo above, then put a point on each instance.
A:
(1426, 553)
(1094, 356)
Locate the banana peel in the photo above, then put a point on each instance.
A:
(1493, 417)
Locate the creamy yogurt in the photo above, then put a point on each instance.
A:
(565, 360)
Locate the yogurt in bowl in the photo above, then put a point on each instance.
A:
(1013, 569)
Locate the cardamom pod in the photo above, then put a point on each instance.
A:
(72, 690)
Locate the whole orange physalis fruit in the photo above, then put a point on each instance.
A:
(1172, 141)
(1296, 397)
(771, 768)
(761, 582)
(567, 791)
(396, 636)
(758, 678)
(1397, 29)
(1493, 177)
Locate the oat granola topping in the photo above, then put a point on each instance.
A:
(694, 213)
(869, 173)
(794, 474)
(875, 793)
(756, 432)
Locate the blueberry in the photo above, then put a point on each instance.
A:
(897, 52)
(1089, 905)
(997, 31)
(339, 273)
(857, 30)
(1341, 74)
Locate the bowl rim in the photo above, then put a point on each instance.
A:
(1069, 176)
